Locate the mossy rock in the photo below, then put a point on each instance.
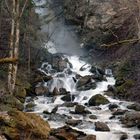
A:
(11, 101)
(122, 91)
(20, 93)
(98, 100)
(16, 124)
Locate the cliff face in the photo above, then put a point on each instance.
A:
(102, 21)
(110, 29)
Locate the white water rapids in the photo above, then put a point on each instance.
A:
(81, 97)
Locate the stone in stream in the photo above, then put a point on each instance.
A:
(93, 117)
(112, 106)
(63, 91)
(41, 90)
(55, 92)
(124, 136)
(73, 122)
(67, 133)
(97, 100)
(68, 98)
(131, 119)
(134, 106)
(69, 104)
(83, 81)
(54, 110)
(137, 136)
(46, 112)
(119, 112)
(80, 109)
(58, 63)
(89, 137)
(100, 126)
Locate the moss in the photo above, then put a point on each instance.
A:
(16, 124)
(20, 93)
(123, 89)
(11, 101)
(98, 100)
(124, 70)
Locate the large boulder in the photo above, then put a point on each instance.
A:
(97, 100)
(67, 133)
(58, 63)
(80, 109)
(73, 122)
(68, 98)
(131, 119)
(134, 106)
(9, 101)
(86, 83)
(41, 90)
(100, 126)
(16, 124)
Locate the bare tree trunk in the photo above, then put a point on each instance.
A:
(14, 43)
(16, 46)
(10, 71)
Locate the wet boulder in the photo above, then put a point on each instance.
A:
(131, 119)
(119, 112)
(124, 136)
(93, 117)
(89, 137)
(137, 136)
(69, 104)
(95, 70)
(73, 122)
(55, 92)
(134, 106)
(58, 63)
(41, 90)
(63, 91)
(80, 109)
(67, 133)
(100, 126)
(98, 74)
(68, 98)
(112, 106)
(85, 83)
(97, 100)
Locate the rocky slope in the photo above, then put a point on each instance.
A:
(110, 30)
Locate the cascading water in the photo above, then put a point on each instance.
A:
(67, 80)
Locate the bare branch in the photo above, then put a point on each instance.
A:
(23, 9)
(120, 42)
(8, 9)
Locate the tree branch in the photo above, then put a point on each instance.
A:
(23, 9)
(7, 7)
(120, 42)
